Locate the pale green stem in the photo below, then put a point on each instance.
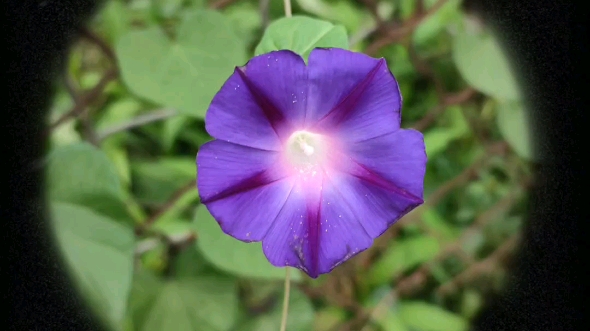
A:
(287, 8)
(286, 300)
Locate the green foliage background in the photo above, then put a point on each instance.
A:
(127, 122)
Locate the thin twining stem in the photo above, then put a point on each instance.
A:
(286, 300)
(287, 7)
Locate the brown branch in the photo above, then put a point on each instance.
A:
(372, 6)
(462, 178)
(137, 121)
(104, 47)
(380, 309)
(88, 130)
(167, 206)
(263, 8)
(85, 100)
(398, 33)
(72, 90)
(424, 68)
(364, 259)
(486, 265)
(82, 101)
(447, 100)
(220, 4)
(407, 285)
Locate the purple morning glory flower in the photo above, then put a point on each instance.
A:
(310, 159)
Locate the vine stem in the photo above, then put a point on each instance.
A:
(287, 7)
(285, 313)
(286, 297)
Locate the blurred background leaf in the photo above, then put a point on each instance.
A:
(301, 315)
(99, 252)
(483, 64)
(183, 71)
(301, 35)
(231, 255)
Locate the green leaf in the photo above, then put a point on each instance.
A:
(115, 20)
(167, 8)
(392, 321)
(120, 111)
(207, 304)
(471, 303)
(301, 35)
(231, 255)
(436, 222)
(515, 127)
(120, 159)
(399, 63)
(328, 318)
(406, 7)
(173, 227)
(190, 263)
(144, 291)
(341, 11)
(246, 20)
(402, 256)
(100, 254)
(483, 64)
(172, 129)
(300, 318)
(422, 316)
(195, 138)
(438, 139)
(184, 73)
(437, 22)
(66, 133)
(82, 174)
(156, 181)
(188, 304)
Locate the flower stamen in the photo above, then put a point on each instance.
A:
(305, 150)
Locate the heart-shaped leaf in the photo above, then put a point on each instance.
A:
(232, 255)
(301, 35)
(186, 71)
(99, 252)
(483, 63)
(196, 303)
(514, 125)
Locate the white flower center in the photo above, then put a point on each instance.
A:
(305, 149)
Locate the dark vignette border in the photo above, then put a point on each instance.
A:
(546, 40)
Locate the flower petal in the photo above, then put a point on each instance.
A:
(352, 96)
(293, 239)
(382, 179)
(369, 185)
(316, 230)
(376, 207)
(279, 79)
(236, 183)
(398, 158)
(342, 233)
(368, 172)
(235, 108)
